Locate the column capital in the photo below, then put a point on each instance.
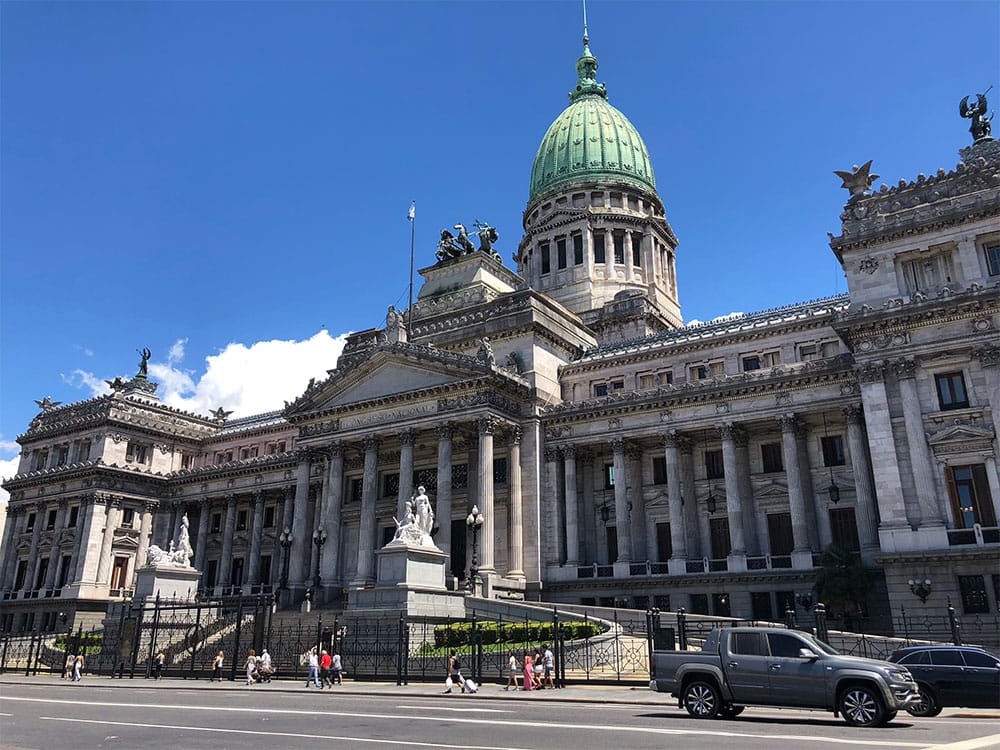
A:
(487, 425)
(569, 451)
(258, 497)
(870, 373)
(446, 431)
(988, 356)
(789, 422)
(371, 443)
(336, 448)
(230, 500)
(904, 368)
(407, 437)
(633, 451)
(516, 434)
(731, 431)
(551, 454)
(674, 439)
(618, 444)
(855, 414)
(585, 457)
(148, 506)
(303, 455)
(62, 503)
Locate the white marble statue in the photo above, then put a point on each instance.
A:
(418, 523)
(180, 553)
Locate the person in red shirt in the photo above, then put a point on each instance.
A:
(325, 660)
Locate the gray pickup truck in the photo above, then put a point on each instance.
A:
(740, 667)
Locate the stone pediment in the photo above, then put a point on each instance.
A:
(390, 371)
(961, 435)
(772, 489)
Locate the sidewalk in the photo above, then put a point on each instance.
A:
(623, 694)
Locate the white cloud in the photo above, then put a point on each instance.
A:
(719, 319)
(84, 379)
(9, 459)
(247, 379)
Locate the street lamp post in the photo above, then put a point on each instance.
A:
(285, 540)
(319, 539)
(475, 522)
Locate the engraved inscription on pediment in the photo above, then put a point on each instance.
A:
(388, 381)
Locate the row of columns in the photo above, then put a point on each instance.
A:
(747, 528)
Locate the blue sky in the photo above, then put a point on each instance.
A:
(230, 180)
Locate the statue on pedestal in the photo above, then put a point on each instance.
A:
(418, 524)
(180, 552)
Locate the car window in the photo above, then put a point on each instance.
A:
(783, 644)
(947, 657)
(978, 659)
(916, 657)
(750, 644)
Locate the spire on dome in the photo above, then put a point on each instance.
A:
(586, 69)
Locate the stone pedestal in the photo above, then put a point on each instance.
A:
(410, 580)
(167, 581)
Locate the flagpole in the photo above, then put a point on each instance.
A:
(409, 308)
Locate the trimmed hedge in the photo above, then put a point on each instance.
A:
(460, 633)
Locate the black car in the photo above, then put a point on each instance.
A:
(951, 676)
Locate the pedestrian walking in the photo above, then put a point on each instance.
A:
(529, 672)
(337, 668)
(548, 664)
(265, 666)
(512, 670)
(454, 673)
(158, 663)
(68, 671)
(78, 668)
(313, 661)
(536, 670)
(325, 660)
(251, 667)
(217, 663)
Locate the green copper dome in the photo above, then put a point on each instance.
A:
(590, 141)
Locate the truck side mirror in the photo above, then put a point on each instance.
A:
(805, 653)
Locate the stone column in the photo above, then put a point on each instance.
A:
(113, 514)
(515, 545)
(816, 502)
(920, 456)
(298, 552)
(8, 547)
(621, 502)
(443, 511)
(256, 538)
(201, 543)
(637, 514)
(405, 473)
(989, 360)
(54, 552)
(750, 515)
(85, 564)
(865, 511)
(693, 520)
(330, 563)
(678, 539)
(550, 509)
(588, 512)
(486, 425)
(572, 507)
(145, 530)
(228, 532)
(29, 576)
(796, 500)
(734, 503)
(888, 484)
(369, 528)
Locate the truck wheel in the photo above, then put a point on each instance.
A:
(926, 706)
(702, 700)
(729, 711)
(862, 707)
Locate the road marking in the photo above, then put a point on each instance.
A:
(257, 710)
(992, 741)
(6, 714)
(296, 735)
(476, 710)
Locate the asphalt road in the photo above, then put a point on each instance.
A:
(99, 713)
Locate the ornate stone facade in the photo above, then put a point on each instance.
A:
(617, 457)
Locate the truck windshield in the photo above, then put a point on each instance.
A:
(822, 645)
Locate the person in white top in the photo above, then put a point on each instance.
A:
(549, 662)
(265, 666)
(337, 669)
(313, 668)
(512, 670)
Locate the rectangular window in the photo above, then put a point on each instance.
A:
(216, 525)
(186, 461)
(83, 451)
(41, 459)
(30, 523)
(611, 537)
(459, 477)
(699, 372)
(609, 476)
(74, 515)
(770, 359)
(951, 390)
(713, 465)
(699, 604)
(357, 489)
(19, 575)
(577, 249)
(600, 390)
(500, 470)
(619, 240)
(561, 252)
(720, 605)
(760, 605)
(719, 537)
(236, 573)
(659, 470)
(833, 450)
(617, 385)
(543, 250)
(751, 363)
(992, 253)
(390, 485)
(599, 253)
(64, 572)
(808, 352)
(664, 547)
(50, 521)
(211, 574)
(844, 528)
(119, 573)
(666, 378)
(265, 570)
(241, 520)
(770, 454)
(223, 457)
(973, 589)
(247, 453)
(137, 453)
(928, 273)
(637, 249)
(62, 455)
(779, 533)
(647, 381)
(969, 490)
(128, 518)
(269, 511)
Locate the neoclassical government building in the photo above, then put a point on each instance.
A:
(619, 457)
